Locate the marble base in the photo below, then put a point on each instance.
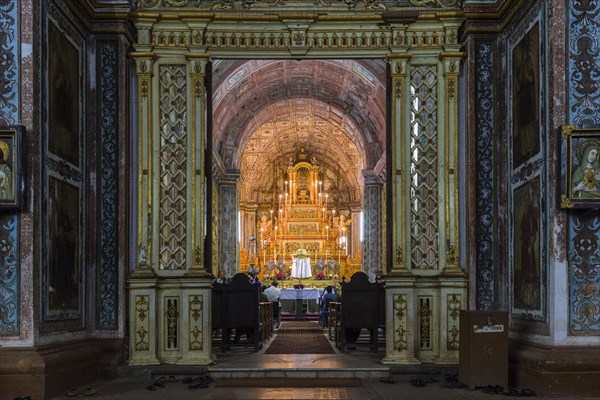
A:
(50, 370)
(569, 371)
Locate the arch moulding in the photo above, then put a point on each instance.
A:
(176, 41)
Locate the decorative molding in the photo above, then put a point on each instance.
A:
(142, 323)
(108, 284)
(172, 321)
(9, 63)
(423, 165)
(485, 91)
(400, 306)
(172, 215)
(425, 322)
(584, 276)
(9, 275)
(228, 227)
(9, 223)
(295, 5)
(452, 322)
(216, 40)
(196, 322)
(583, 88)
(583, 62)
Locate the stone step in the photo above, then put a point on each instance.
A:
(239, 372)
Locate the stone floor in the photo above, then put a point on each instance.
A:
(243, 363)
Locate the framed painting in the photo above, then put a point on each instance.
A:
(528, 283)
(580, 166)
(11, 174)
(64, 95)
(526, 96)
(64, 251)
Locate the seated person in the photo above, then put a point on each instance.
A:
(328, 297)
(273, 294)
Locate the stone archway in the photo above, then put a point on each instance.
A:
(176, 41)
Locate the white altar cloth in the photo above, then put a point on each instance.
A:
(301, 294)
(301, 268)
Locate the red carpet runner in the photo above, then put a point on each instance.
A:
(300, 337)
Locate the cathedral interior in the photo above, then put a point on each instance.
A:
(447, 149)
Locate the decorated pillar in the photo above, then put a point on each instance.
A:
(354, 241)
(372, 225)
(170, 288)
(228, 223)
(426, 286)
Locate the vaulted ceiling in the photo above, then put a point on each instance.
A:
(264, 111)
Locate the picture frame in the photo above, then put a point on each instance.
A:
(11, 171)
(580, 166)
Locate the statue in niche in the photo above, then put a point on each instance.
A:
(341, 222)
(265, 224)
(303, 191)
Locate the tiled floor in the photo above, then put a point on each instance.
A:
(134, 381)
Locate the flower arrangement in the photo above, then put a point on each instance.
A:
(280, 276)
(320, 275)
(298, 286)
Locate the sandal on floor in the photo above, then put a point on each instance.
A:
(512, 393)
(152, 388)
(416, 381)
(195, 379)
(386, 380)
(72, 393)
(492, 389)
(90, 392)
(172, 379)
(160, 382)
(199, 385)
(527, 393)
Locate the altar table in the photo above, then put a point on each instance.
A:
(300, 295)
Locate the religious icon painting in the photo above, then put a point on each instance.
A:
(11, 176)
(580, 166)
(526, 96)
(528, 282)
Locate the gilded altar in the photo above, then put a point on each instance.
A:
(307, 218)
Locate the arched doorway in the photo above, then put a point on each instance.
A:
(303, 135)
(426, 285)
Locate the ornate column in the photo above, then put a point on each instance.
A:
(170, 289)
(450, 66)
(354, 244)
(228, 224)
(142, 282)
(372, 256)
(197, 64)
(400, 117)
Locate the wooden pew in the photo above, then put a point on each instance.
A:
(236, 307)
(363, 306)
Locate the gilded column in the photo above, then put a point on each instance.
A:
(451, 67)
(398, 63)
(197, 175)
(142, 282)
(144, 65)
